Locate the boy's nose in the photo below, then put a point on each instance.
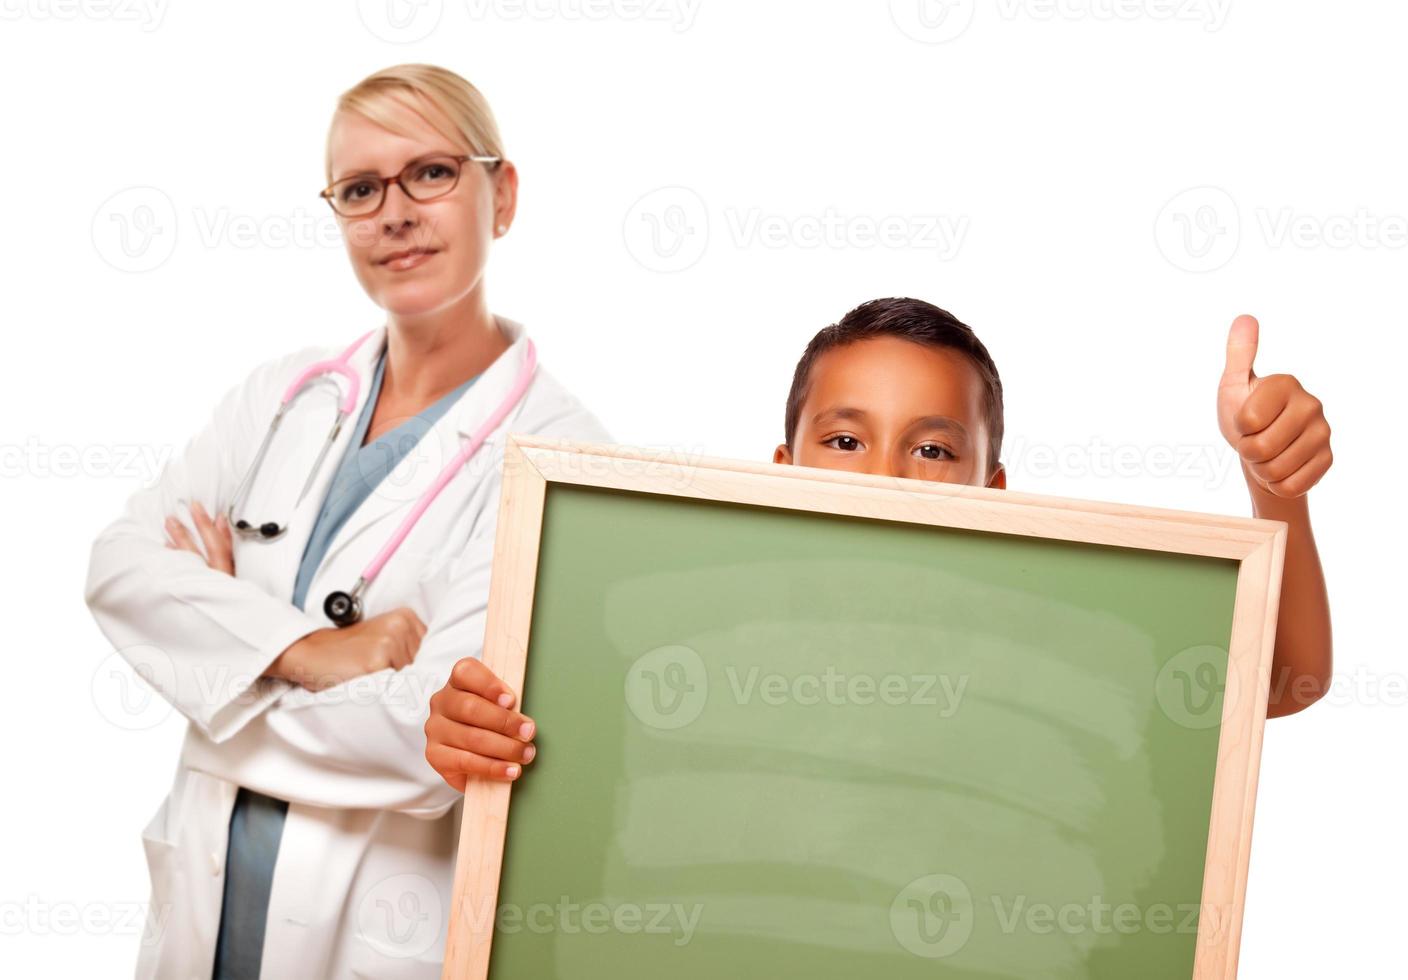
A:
(884, 467)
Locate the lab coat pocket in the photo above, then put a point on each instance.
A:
(367, 960)
(430, 592)
(158, 829)
(399, 927)
(159, 844)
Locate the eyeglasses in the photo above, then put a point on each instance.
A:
(423, 179)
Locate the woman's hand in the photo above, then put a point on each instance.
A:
(219, 551)
(332, 656)
(1277, 427)
(473, 729)
(325, 657)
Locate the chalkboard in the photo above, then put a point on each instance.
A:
(799, 724)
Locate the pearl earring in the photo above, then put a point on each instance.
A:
(502, 229)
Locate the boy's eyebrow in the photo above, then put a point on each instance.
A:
(843, 414)
(939, 422)
(848, 414)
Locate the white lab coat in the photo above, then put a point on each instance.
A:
(362, 885)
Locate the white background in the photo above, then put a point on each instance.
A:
(1097, 186)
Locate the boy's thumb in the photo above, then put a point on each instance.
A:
(1241, 349)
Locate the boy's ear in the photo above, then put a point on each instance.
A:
(998, 480)
(782, 455)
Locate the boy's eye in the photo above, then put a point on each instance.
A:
(932, 450)
(847, 444)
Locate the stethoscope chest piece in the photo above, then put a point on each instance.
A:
(343, 608)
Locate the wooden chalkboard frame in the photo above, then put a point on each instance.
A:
(530, 464)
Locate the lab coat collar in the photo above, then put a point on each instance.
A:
(413, 475)
(480, 399)
(494, 384)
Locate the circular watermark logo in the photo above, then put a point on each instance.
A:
(932, 21)
(134, 230)
(1196, 685)
(932, 916)
(1199, 229)
(400, 916)
(667, 687)
(126, 687)
(400, 22)
(667, 230)
(405, 457)
(928, 496)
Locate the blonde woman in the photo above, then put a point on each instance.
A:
(306, 835)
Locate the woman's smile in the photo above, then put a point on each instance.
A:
(408, 259)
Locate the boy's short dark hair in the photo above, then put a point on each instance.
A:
(907, 319)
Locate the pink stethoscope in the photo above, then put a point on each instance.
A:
(345, 608)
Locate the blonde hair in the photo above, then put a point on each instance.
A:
(381, 95)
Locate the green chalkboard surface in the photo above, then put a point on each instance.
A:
(776, 743)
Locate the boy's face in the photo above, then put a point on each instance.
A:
(893, 407)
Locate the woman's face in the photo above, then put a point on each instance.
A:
(455, 229)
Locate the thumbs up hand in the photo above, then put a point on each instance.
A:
(1277, 427)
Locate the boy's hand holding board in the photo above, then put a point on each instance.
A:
(473, 729)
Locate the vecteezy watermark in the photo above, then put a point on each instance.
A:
(938, 21)
(668, 688)
(408, 21)
(62, 461)
(668, 230)
(941, 692)
(1096, 916)
(137, 229)
(1196, 686)
(932, 21)
(575, 916)
(35, 916)
(302, 229)
(135, 689)
(146, 14)
(676, 467)
(1209, 465)
(568, 917)
(1201, 229)
(1359, 686)
(130, 687)
(932, 916)
(941, 233)
(400, 21)
(1362, 229)
(400, 916)
(134, 230)
(1211, 15)
(678, 14)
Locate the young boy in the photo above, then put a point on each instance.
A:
(902, 388)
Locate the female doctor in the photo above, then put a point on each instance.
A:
(303, 630)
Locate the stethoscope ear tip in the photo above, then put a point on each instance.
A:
(268, 530)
